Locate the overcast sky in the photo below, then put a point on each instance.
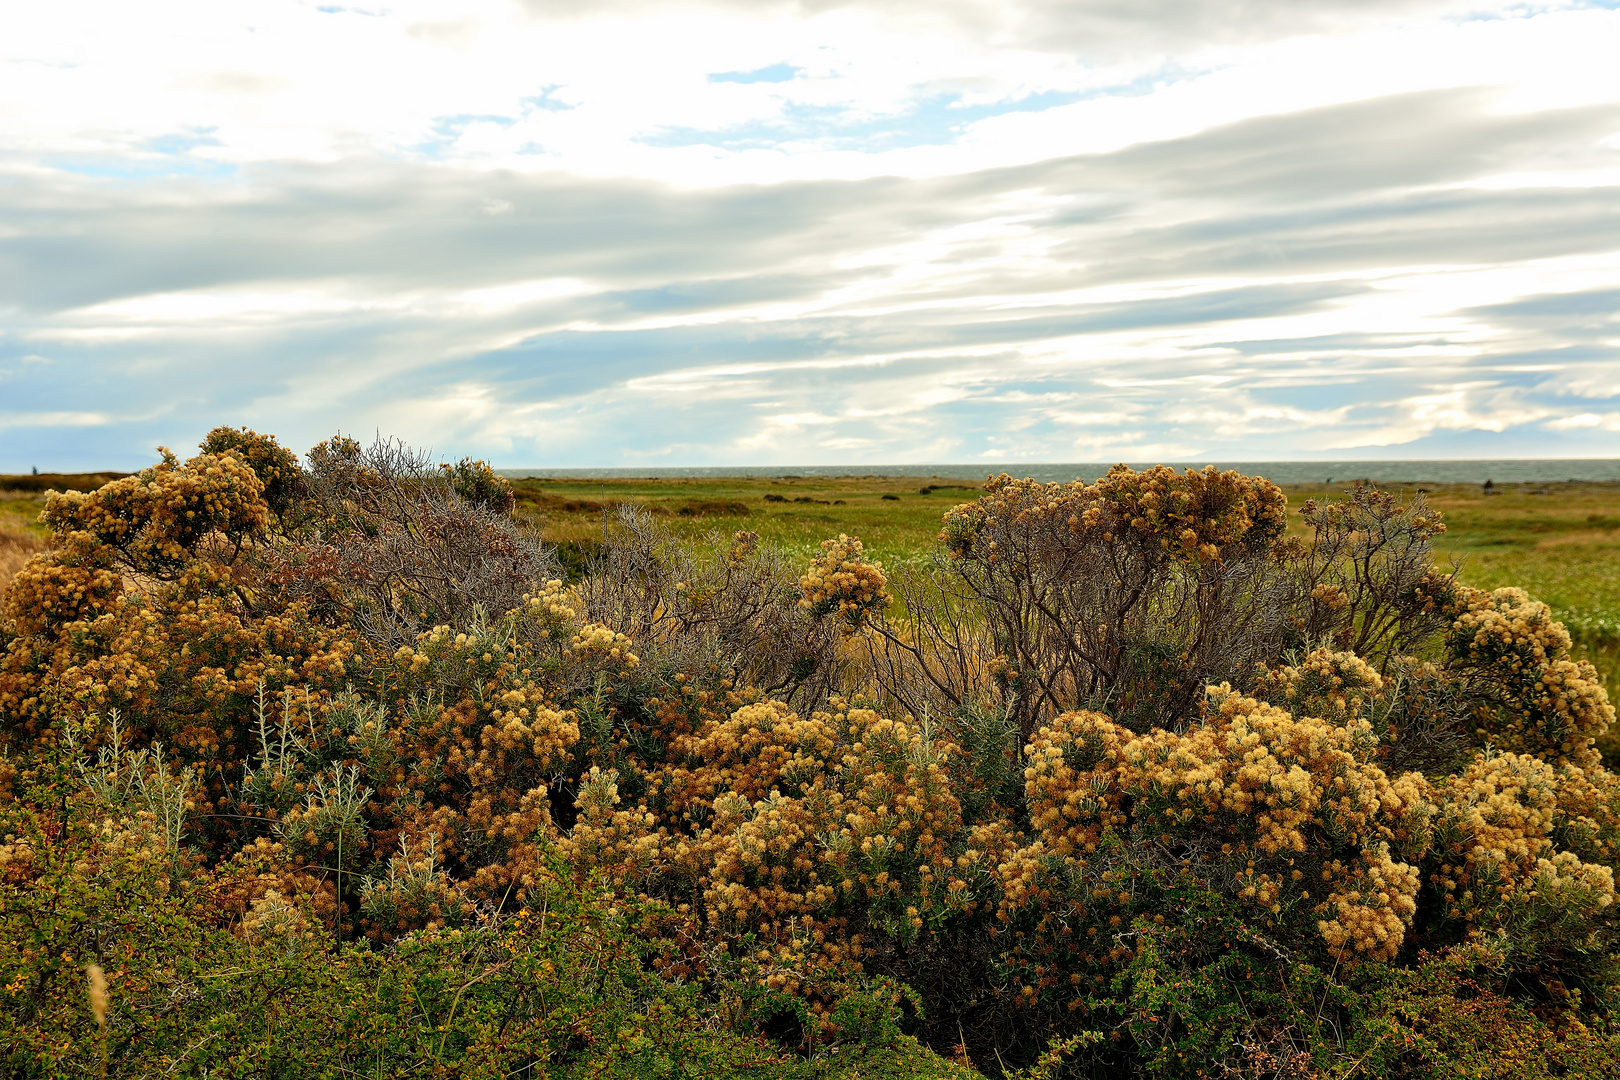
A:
(626, 233)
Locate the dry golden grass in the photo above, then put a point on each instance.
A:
(17, 545)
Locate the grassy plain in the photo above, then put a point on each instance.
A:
(1560, 541)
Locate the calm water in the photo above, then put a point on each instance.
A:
(1281, 472)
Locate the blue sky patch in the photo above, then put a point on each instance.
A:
(774, 73)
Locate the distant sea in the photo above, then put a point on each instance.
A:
(1545, 470)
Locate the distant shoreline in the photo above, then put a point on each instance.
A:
(1476, 471)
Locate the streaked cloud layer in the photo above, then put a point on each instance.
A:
(813, 232)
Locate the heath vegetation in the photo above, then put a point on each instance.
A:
(337, 767)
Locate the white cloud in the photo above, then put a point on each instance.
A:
(1608, 422)
(723, 231)
(54, 419)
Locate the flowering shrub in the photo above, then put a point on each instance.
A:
(1537, 700)
(1134, 778)
(800, 832)
(841, 580)
(478, 484)
(1282, 811)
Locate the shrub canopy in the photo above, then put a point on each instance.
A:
(1127, 778)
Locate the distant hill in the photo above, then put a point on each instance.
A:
(58, 481)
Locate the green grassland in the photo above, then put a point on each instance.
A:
(896, 517)
(1559, 541)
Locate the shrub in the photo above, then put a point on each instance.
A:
(1124, 781)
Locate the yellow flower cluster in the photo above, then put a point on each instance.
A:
(1372, 907)
(1200, 516)
(1283, 794)
(621, 843)
(599, 647)
(157, 517)
(16, 854)
(551, 611)
(841, 579)
(74, 582)
(1547, 704)
(1337, 686)
(275, 920)
(466, 755)
(1203, 514)
(1498, 823)
(758, 748)
(793, 828)
(1330, 596)
(170, 643)
(131, 845)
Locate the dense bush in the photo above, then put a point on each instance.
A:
(1128, 779)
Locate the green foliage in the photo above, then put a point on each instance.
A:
(477, 483)
(1446, 1018)
(560, 987)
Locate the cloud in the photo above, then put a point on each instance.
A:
(966, 230)
(54, 419)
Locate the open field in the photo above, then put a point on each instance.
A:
(1560, 541)
(892, 515)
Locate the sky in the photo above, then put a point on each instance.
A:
(747, 232)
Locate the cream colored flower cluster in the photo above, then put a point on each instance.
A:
(1587, 822)
(174, 671)
(522, 723)
(1508, 626)
(16, 854)
(1283, 794)
(1548, 705)
(1330, 596)
(514, 724)
(625, 845)
(1072, 781)
(158, 515)
(1337, 686)
(599, 647)
(841, 579)
(795, 829)
(275, 920)
(472, 747)
(177, 651)
(1371, 907)
(551, 611)
(1498, 824)
(75, 582)
(1199, 516)
(758, 748)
